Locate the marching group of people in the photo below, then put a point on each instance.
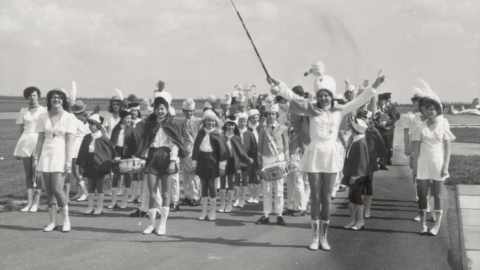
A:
(327, 140)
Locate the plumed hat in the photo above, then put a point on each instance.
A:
(95, 117)
(252, 112)
(163, 97)
(350, 88)
(428, 96)
(118, 97)
(188, 104)
(359, 125)
(242, 115)
(79, 106)
(325, 82)
(226, 100)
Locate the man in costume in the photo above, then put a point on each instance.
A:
(391, 109)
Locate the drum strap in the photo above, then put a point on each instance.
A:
(271, 143)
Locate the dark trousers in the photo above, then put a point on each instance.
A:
(387, 139)
(356, 190)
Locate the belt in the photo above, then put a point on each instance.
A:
(164, 148)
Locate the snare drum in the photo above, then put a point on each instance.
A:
(131, 165)
(275, 171)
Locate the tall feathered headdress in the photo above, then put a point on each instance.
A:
(120, 94)
(73, 94)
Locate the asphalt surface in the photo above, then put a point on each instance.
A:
(115, 241)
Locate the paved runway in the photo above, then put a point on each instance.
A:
(233, 241)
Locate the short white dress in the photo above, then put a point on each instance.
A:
(323, 153)
(52, 158)
(82, 130)
(28, 141)
(430, 161)
(110, 122)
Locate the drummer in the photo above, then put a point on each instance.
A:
(272, 148)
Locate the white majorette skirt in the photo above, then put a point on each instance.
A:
(321, 157)
(52, 158)
(430, 166)
(26, 144)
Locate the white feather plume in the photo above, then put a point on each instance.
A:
(73, 93)
(427, 89)
(119, 93)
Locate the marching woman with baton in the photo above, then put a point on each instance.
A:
(161, 145)
(56, 135)
(320, 159)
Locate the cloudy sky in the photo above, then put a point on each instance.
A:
(198, 47)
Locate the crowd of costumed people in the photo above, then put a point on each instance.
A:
(319, 143)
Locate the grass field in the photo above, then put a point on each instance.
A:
(464, 170)
(468, 135)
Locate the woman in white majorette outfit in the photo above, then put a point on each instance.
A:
(432, 157)
(320, 159)
(27, 119)
(53, 157)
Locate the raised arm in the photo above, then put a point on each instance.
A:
(368, 93)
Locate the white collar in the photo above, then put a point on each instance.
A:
(208, 131)
(252, 125)
(357, 137)
(97, 134)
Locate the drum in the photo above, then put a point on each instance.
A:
(131, 165)
(274, 172)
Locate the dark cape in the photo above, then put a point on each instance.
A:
(130, 143)
(251, 147)
(356, 163)
(239, 153)
(150, 132)
(376, 148)
(218, 155)
(103, 155)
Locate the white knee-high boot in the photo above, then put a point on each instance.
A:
(438, 219)
(251, 197)
(36, 200)
(91, 199)
(423, 219)
(52, 213)
(99, 208)
(29, 200)
(162, 225)
(353, 216)
(213, 205)
(114, 199)
(360, 224)
(324, 224)
(243, 192)
(66, 219)
(83, 196)
(222, 201)
(125, 198)
(316, 235)
(237, 197)
(368, 204)
(204, 202)
(229, 201)
(152, 216)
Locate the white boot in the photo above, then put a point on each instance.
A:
(52, 212)
(423, 218)
(324, 224)
(204, 208)
(125, 198)
(134, 192)
(99, 208)
(243, 192)
(229, 201)
(66, 219)
(152, 216)
(368, 204)
(360, 224)
(256, 193)
(222, 201)
(29, 200)
(418, 217)
(36, 200)
(91, 198)
(251, 187)
(237, 197)
(83, 197)
(213, 205)
(316, 235)
(438, 219)
(114, 199)
(162, 225)
(353, 216)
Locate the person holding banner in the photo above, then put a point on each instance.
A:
(320, 159)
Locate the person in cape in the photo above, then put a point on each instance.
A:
(138, 125)
(95, 157)
(162, 146)
(209, 158)
(254, 183)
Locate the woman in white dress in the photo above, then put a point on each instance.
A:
(320, 159)
(78, 109)
(53, 157)
(27, 119)
(112, 118)
(432, 157)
